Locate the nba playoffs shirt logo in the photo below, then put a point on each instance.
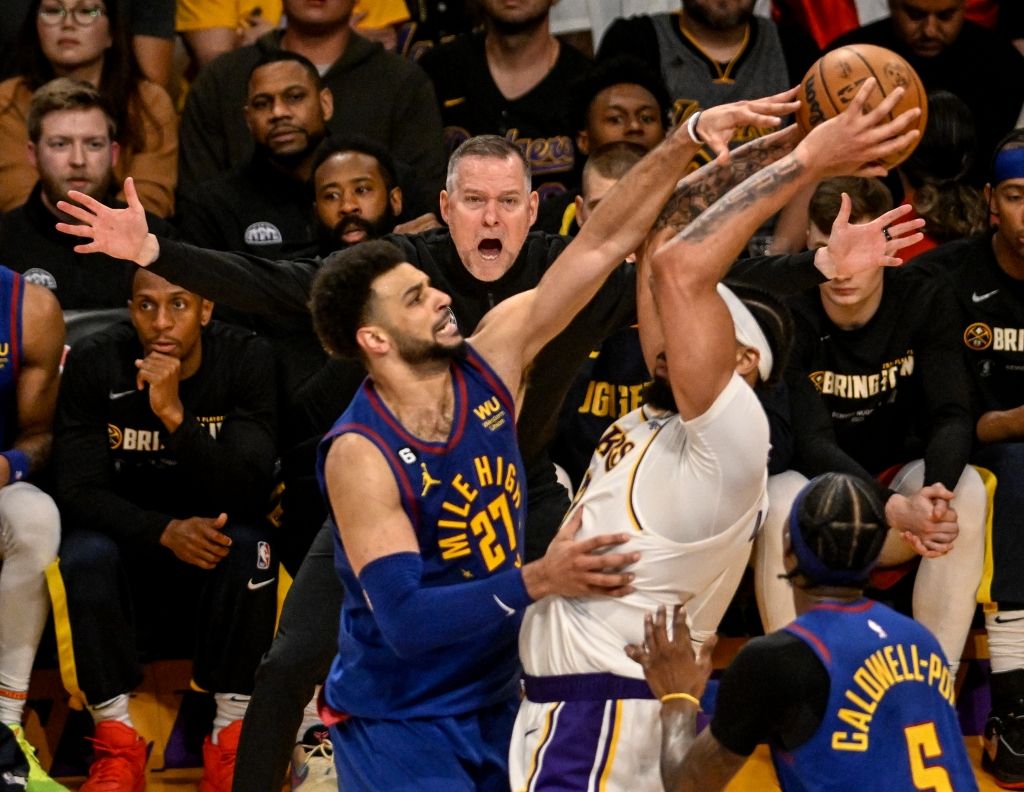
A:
(263, 555)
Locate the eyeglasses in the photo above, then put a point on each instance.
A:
(82, 15)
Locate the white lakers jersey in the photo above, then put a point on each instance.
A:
(692, 495)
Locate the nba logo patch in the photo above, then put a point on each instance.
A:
(263, 555)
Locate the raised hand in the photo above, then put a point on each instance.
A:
(670, 665)
(120, 233)
(716, 125)
(199, 541)
(854, 142)
(854, 248)
(572, 568)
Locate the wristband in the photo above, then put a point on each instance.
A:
(691, 128)
(681, 697)
(19, 464)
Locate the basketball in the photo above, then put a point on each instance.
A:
(835, 78)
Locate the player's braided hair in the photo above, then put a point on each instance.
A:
(342, 296)
(837, 528)
(775, 321)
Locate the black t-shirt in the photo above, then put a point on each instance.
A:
(775, 689)
(119, 471)
(539, 122)
(883, 394)
(990, 325)
(257, 209)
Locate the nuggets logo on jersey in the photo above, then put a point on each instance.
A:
(132, 439)
(980, 336)
(472, 515)
(862, 386)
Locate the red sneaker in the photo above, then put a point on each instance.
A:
(219, 759)
(120, 760)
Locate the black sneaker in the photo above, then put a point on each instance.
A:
(1003, 754)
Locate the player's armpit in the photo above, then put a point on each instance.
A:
(365, 502)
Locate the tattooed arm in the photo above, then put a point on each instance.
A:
(699, 338)
(706, 185)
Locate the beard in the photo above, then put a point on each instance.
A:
(658, 393)
(55, 190)
(417, 352)
(373, 229)
(707, 13)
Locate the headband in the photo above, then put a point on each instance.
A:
(748, 331)
(1009, 165)
(812, 567)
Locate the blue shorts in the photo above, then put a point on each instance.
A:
(452, 754)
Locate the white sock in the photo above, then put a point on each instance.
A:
(12, 704)
(1005, 640)
(231, 707)
(310, 716)
(115, 709)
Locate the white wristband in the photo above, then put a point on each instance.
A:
(691, 128)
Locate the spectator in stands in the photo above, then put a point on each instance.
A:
(513, 80)
(264, 207)
(987, 275)
(708, 53)
(163, 453)
(212, 27)
(934, 176)
(31, 343)
(877, 389)
(90, 42)
(72, 146)
(356, 195)
(952, 54)
(376, 94)
(618, 99)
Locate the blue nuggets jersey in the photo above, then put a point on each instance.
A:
(11, 293)
(890, 722)
(466, 500)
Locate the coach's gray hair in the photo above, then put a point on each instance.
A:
(490, 146)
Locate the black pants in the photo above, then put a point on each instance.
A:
(1006, 461)
(121, 599)
(306, 643)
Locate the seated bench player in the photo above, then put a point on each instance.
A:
(163, 453)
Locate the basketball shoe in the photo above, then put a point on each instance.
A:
(1003, 756)
(120, 759)
(313, 763)
(38, 779)
(219, 759)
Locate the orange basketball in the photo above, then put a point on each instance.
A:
(835, 78)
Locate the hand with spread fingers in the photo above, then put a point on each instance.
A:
(858, 247)
(670, 665)
(121, 233)
(572, 568)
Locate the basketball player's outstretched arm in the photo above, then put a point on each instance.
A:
(384, 554)
(700, 343)
(516, 330)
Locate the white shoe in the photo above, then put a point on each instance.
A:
(313, 768)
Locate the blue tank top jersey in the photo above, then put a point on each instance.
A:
(466, 500)
(11, 293)
(890, 721)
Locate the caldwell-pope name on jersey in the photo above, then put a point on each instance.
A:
(126, 438)
(861, 386)
(892, 665)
